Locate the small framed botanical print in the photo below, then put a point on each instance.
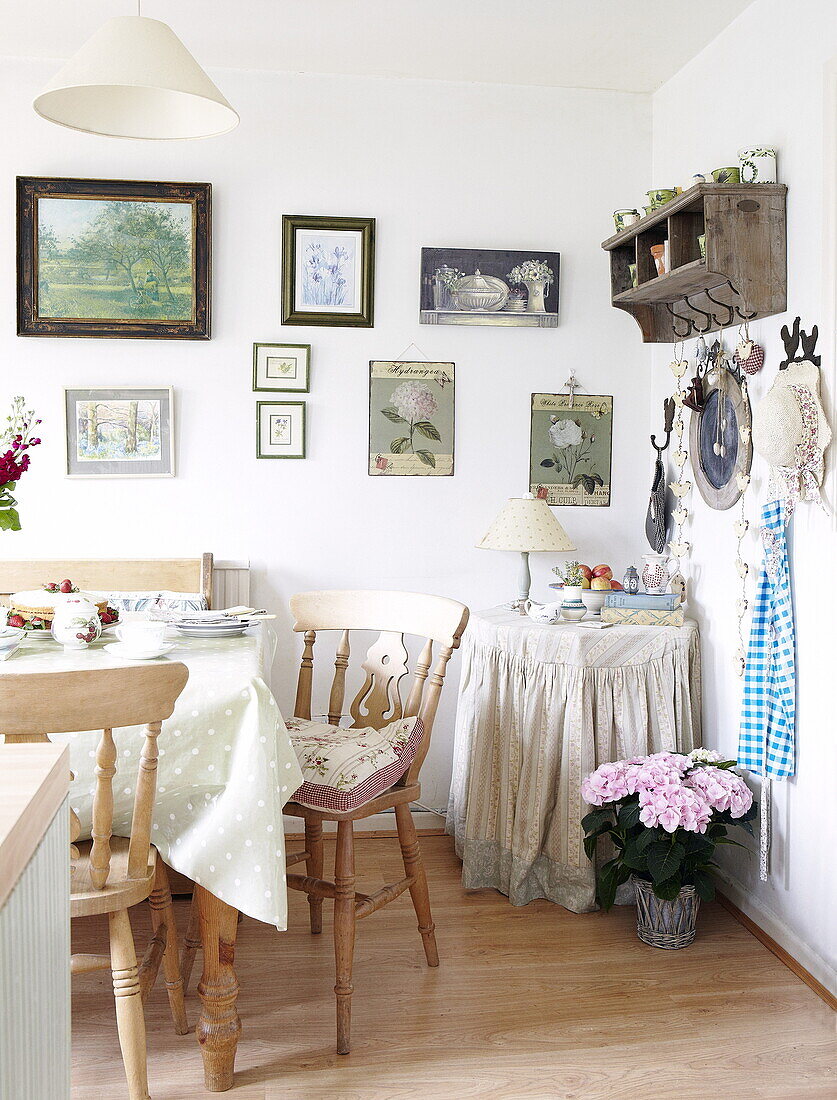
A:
(282, 368)
(280, 429)
(411, 419)
(120, 432)
(116, 258)
(328, 271)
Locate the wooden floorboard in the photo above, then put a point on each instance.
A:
(531, 1002)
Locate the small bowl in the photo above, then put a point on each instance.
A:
(573, 614)
(726, 175)
(593, 599)
(660, 196)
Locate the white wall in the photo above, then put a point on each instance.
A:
(762, 81)
(436, 164)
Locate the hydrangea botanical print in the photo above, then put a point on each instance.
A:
(570, 451)
(411, 418)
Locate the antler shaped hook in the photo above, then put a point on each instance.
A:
(791, 342)
(668, 426)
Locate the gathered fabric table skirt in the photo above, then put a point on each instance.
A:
(539, 708)
(226, 768)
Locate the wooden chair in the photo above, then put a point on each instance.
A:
(378, 702)
(165, 574)
(111, 873)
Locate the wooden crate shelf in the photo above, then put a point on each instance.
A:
(744, 271)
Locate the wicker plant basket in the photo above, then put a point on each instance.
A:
(666, 924)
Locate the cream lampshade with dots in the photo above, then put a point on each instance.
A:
(526, 525)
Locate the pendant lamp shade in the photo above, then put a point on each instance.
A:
(135, 79)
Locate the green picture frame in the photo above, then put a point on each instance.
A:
(280, 429)
(328, 271)
(286, 365)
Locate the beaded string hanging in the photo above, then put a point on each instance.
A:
(678, 546)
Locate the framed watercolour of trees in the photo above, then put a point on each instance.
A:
(114, 258)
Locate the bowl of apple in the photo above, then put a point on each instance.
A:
(599, 582)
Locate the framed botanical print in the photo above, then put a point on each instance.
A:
(113, 258)
(570, 449)
(328, 271)
(411, 419)
(282, 368)
(119, 432)
(280, 429)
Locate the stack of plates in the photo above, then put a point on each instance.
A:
(220, 627)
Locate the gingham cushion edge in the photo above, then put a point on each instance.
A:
(319, 796)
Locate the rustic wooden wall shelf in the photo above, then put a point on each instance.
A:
(744, 273)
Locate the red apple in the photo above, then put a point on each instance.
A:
(617, 587)
(601, 584)
(585, 571)
(603, 571)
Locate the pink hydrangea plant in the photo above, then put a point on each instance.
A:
(650, 805)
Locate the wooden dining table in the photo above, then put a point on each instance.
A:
(226, 769)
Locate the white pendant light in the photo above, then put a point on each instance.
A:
(135, 79)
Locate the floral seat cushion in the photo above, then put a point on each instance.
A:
(345, 768)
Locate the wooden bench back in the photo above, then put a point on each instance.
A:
(392, 615)
(114, 575)
(64, 702)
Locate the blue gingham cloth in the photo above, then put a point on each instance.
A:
(766, 736)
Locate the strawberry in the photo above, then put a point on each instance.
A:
(16, 620)
(66, 586)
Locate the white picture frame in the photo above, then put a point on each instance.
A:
(136, 439)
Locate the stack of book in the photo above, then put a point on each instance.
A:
(643, 609)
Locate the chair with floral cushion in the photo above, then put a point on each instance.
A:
(373, 764)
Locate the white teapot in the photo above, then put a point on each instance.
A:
(547, 614)
(76, 623)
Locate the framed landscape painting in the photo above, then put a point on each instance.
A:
(280, 429)
(113, 258)
(281, 368)
(120, 432)
(328, 271)
(570, 449)
(489, 286)
(411, 419)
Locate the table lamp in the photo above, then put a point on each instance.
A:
(525, 524)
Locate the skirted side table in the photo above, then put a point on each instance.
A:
(540, 707)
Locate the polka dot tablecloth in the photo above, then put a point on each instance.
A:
(225, 771)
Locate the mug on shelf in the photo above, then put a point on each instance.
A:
(757, 164)
(623, 218)
(726, 175)
(659, 196)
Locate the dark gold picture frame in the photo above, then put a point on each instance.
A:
(143, 299)
(295, 310)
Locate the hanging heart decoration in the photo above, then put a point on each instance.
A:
(753, 360)
(742, 480)
(741, 527)
(742, 567)
(680, 515)
(745, 432)
(741, 606)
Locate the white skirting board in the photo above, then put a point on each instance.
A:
(423, 819)
(779, 931)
